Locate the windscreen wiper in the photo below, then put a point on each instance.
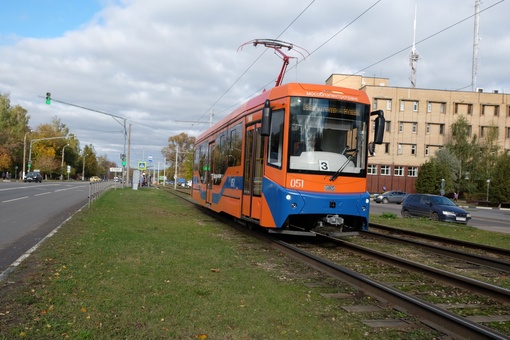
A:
(339, 171)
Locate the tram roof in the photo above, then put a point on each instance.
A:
(288, 90)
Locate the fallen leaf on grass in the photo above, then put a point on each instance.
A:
(215, 270)
(202, 336)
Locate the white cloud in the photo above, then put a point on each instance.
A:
(159, 62)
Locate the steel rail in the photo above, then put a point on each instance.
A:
(454, 253)
(433, 316)
(466, 244)
(497, 293)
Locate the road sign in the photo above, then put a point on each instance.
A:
(68, 169)
(142, 165)
(149, 158)
(115, 169)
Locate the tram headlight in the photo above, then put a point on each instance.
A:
(288, 197)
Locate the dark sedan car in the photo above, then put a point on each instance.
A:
(435, 207)
(392, 196)
(33, 177)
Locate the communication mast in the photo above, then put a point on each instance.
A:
(476, 38)
(413, 56)
(277, 45)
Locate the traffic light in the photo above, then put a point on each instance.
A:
(48, 98)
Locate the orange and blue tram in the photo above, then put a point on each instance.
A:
(292, 158)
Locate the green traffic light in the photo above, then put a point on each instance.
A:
(48, 101)
(48, 98)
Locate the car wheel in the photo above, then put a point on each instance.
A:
(434, 216)
(406, 214)
(385, 200)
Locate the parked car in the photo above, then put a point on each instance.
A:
(95, 179)
(392, 196)
(33, 177)
(437, 208)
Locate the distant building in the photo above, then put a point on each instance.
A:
(418, 124)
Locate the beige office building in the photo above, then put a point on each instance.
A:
(418, 124)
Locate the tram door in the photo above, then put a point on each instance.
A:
(208, 174)
(253, 172)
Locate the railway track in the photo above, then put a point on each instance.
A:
(435, 315)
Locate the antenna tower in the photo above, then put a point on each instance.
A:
(476, 39)
(413, 56)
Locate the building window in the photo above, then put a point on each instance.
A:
(388, 126)
(412, 171)
(415, 127)
(442, 107)
(386, 170)
(413, 149)
(372, 169)
(388, 104)
(415, 106)
(399, 171)
(400, 127)
(427, 150)
(387, 148)
(427, 129)
(441, 129)
(463, 108)
(429, 107)
(399, 149)
(402, 105)
(508, 132)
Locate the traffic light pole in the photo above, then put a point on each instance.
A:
(49, 100)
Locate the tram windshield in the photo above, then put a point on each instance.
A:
(328, 136)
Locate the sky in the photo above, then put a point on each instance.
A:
(166, 67)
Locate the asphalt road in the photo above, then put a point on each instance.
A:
(482, 218)
(30, 211)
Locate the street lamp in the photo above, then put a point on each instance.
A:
(62, 166)
(24, 153)
(83, 170)
(488, 185)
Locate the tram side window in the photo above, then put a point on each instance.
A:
(220, 159)
(276, 138)
(201, 160)
(235, 144)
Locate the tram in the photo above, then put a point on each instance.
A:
(292, 158)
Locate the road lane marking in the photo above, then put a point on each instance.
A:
(15, 199)
(43, 193)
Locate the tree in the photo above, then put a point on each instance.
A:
(185, 145)
(500, 183)
(89, 162)
(13, 127)
(431, 175)
(46, 153)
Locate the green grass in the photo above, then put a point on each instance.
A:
(145, 265)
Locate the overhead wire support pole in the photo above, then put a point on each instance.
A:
(115, 117)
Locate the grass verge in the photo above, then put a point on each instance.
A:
(144, 265)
